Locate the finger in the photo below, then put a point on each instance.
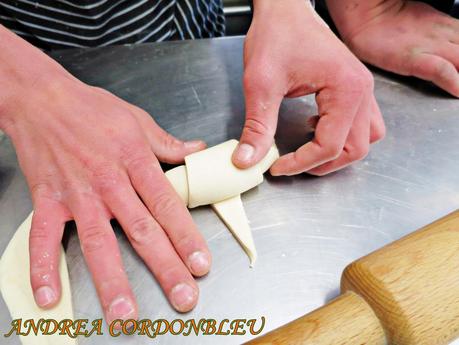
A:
(357, 143)
(437, 70)
(168, 209)
(102, 255)
(337, 109)
(448, 51)
(377, 126)
(165, 146)
(154, 247)
(48, 223)
(262, 105)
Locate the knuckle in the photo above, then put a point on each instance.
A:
(171, 143)
(108, 285)
(442, 70)
(107, 177)
(254, 80)
(299, 158)
(141, 230)
(368, 79)
(41, 269)
(74, 188)
(188, 240)
(379, 132)
(170, 270)
(164, 203)
(41, 190)
(137, 155)
(38, 233)
(254, 125)
(354, 79)
(41, 261)
(93, 238)
(361, 80)
(415, 64)
(358, 152)
(331, 151)
(138, 161)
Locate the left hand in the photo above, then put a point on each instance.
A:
(405, 37)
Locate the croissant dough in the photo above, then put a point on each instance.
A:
(232, 212)
(209, 177)
(17, 292)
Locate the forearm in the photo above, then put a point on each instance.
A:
(265, 8)
(303, 10)
(350, 16)
(23, 70)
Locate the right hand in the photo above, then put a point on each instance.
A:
(290, 53)
(89, 156)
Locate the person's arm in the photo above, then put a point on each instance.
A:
(90, 156)
(406, 37)
(290, 52)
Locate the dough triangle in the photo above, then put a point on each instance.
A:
(232, 213)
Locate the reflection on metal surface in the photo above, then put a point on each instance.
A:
(237, 10)
(306, 229)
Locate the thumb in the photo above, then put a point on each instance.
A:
(166, 147)
(171, 150)
(262, 110)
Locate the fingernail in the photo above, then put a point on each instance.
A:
(244, 152)
(273, 172)
(45, 296)
(199, 263)
(120, 308)
(193, 144)
(183, 297)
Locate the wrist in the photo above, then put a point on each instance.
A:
(351, 16)
(25, 71)
(26, 101)
(269, 8)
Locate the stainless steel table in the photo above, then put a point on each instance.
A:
(306, 229)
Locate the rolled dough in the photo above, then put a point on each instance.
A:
(17, 291)
(210, 178)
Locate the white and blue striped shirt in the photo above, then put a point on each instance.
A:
(51, 24)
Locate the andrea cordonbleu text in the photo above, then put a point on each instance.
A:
(146, 327)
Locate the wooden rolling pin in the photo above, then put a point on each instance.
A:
(406, 293)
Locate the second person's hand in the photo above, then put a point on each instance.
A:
(405, 37)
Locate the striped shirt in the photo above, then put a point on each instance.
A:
(53, 24)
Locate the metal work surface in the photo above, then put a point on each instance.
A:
(306, 229)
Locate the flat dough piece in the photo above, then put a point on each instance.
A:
(17, 292)
(232, 213)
